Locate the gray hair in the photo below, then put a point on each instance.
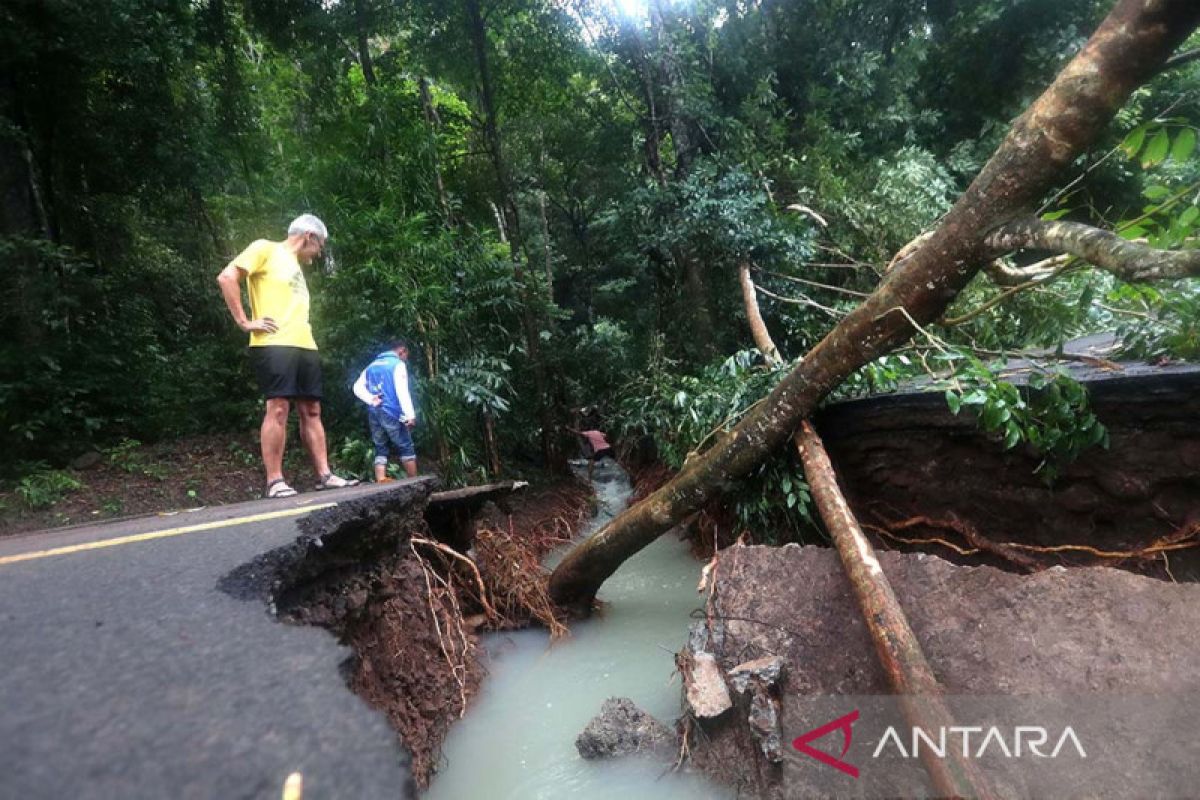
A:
(307, 223)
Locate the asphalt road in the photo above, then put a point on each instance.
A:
(125, 673)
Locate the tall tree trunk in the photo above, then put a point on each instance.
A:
(1130, 46)
(678, 121)
(19, 219)
(434, 123)
(430, 348)
(361, 25)
(549, 255)
(529, 322)
(491, 450)
(697, 306)
(651, 122)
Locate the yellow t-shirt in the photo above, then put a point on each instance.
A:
(277, 290)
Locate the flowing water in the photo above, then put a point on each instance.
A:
(517, 741)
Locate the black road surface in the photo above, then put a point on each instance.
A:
(125, 673)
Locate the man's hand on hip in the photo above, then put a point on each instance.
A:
(264, 325)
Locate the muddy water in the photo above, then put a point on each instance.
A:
(518, 739)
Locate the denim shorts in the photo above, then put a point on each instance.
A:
(390, 437)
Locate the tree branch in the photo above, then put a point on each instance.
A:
(817, 284)
(758, 327)
(1004, 275)
(1186, 57)
(1129, 261)
(803, 300)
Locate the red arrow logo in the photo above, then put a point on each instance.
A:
(844, 724)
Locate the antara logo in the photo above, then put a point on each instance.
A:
(1024, 740)
(845, 725)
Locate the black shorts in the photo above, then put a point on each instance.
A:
(287, 371)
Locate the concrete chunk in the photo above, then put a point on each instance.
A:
(764, 672)
(620, 729)
(707, 695)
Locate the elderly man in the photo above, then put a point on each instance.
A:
(282, 350)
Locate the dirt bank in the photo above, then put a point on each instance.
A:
(1112, 653)
(132, 479)
(914, 473)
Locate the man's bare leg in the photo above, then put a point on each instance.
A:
(410, 467)
(274, 436)
(380, 472)
(312, 433)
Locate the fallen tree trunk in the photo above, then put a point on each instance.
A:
(900, 655)
(1128, 48)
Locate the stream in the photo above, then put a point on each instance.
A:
(518, 738)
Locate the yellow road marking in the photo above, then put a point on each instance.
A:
(145, 537)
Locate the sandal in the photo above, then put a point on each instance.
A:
(331, 481)
(279, 488)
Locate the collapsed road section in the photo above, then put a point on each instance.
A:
(390, 577)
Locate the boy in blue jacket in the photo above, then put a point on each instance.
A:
(383, 386)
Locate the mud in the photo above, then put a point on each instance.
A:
(1080, 640)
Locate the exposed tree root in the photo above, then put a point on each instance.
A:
(1186, 537)
(974, 538)
(449, 551)
(457, 645)
(516, 581)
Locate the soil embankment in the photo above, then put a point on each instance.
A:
(1110, 653)
(920, 477)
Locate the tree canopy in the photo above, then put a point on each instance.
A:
(551, 200)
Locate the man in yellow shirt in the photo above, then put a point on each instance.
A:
(282, 349)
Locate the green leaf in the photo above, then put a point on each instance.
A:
(1053, 215)
(1156, 192)
(1133, 141)
(1156, 151)
(953, 401)
(1012, 437)
(1185, 144)
(1189, 216)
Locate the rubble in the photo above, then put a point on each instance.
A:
(621, 729)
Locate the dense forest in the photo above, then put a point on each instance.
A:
(558, 203)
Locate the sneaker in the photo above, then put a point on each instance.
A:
(331, 481)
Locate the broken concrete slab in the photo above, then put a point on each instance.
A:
(1081, 643)
(763, 719)
(622, 728)
(764, 672)
(705, 690)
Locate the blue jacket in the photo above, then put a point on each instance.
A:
(387, 377)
